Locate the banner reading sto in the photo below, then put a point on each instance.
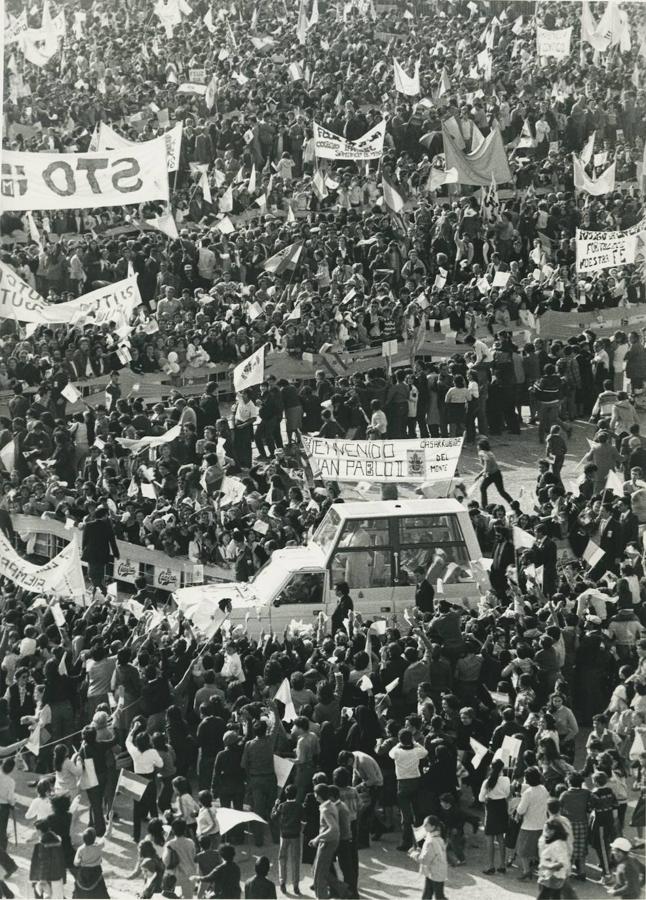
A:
(421, 460)
(84, 180)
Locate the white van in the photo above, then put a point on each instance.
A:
(375, 546)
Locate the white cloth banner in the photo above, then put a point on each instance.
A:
(596, 250)
(134, 446)
(21, 302)
(110, 140)
(597, 187)
(555, 44)
(133, 174)
(328, 145)
(423, 460)
(404, 84)
(62, 575)
(13, 31)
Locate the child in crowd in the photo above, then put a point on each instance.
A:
(453, 819)
(432, 859)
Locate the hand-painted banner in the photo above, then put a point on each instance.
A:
(596, 250)
(328, 145)
(130, 175)
(420, 460)
(21, 302)
(555, 44)
(110, 140)
(62, 575)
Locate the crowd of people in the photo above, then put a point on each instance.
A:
(523, 715)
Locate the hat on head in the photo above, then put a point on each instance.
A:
(621, 843)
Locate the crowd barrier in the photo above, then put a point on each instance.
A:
(167, 573)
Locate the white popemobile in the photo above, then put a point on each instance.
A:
(377, 547)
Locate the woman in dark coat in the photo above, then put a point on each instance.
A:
(47, 861)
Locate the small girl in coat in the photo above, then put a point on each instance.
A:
(432, 859)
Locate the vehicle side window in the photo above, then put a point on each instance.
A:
(363, 568)
(429, 530)
(303, 587)
(435, 544)
(449, 563)
(365, 533)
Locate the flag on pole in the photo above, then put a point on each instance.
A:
(302, 23)
(490, 205)
(33, 231)
(225, 203)
(592, 554)
(314, 15)
(132, 784)
(287, 258)
(526, 139)
(291, 218)
(33, 741)
(445, 84)
(392, 198)
(211, 91)
(284, 694)
(251, 186)
(404, 83)
(250, 371)
(318, 185)
(8, 456)
(206, 188)
(615, 483)
(588, 150)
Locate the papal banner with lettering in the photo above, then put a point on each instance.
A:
(129, 175)
(328, 145)
(421, 460)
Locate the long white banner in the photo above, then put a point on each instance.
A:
(62, 575)
(420, 460)
(21, 302)
(596, 250)
(110, 140)
(129, 175)
(328, 145)
(555, 44)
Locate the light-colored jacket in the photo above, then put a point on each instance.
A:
(432, 858)
(623, 416)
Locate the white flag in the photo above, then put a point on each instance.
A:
(250, 371)
(206, 188)
(404, 83)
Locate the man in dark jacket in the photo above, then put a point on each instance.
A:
(99, 546)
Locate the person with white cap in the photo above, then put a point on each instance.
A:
(627, 873)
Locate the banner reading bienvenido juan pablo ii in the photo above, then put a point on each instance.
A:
(420, 460)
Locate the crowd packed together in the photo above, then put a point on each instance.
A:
(522, 712)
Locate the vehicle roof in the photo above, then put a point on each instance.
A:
(373, 509)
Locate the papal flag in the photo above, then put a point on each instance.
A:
(250, 371)
(287, 258)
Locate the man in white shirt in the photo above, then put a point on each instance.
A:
(145, 761)
(407, 756)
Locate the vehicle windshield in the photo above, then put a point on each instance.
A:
(326, 532)
(268, 580)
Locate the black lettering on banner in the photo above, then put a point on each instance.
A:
(91, 166)
(119, 178)
(66, 169)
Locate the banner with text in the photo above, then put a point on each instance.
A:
(62, 575)
(328, 145)
(596, 250)
(21, 302)
(420, 460)
(110, 140)
(555, 44)
(130, 175)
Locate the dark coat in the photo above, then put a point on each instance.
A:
(99, 542)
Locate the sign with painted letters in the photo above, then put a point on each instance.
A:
(596, 250)
(84, 180)
(420, 460)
